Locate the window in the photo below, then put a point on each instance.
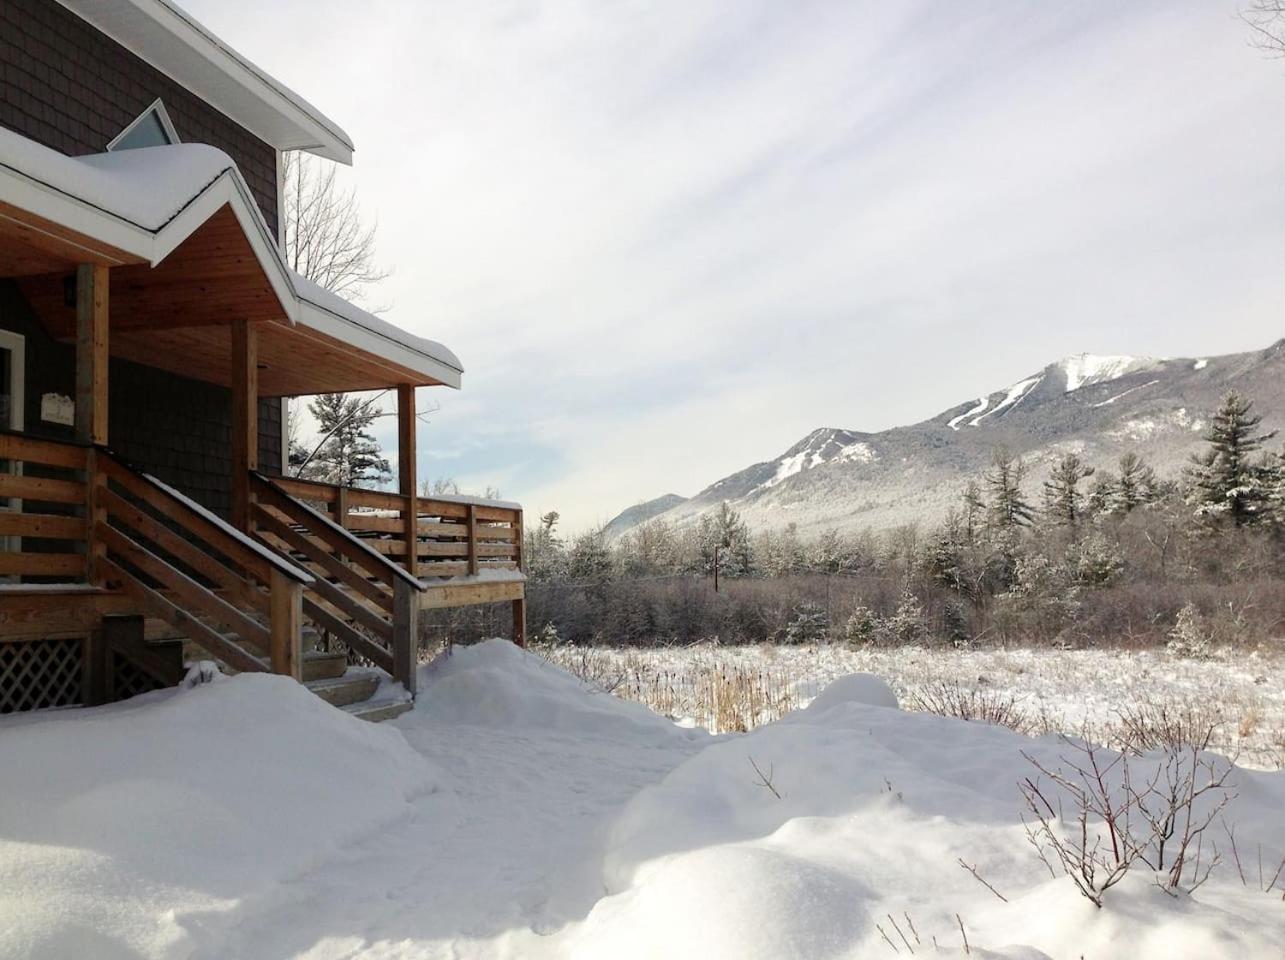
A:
(152, 128)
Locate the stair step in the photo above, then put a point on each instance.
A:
(379, 711)
(318, 665)
(345, 690)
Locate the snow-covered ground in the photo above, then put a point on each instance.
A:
(516, 813)
(1242, 692)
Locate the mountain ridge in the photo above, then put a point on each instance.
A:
(1098, 406)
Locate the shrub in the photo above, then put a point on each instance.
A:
(949, 698)
(863, 626)
(1189, 637)
(809, 624)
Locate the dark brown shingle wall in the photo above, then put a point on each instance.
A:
(69, 87)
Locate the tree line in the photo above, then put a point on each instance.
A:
(1093, 554)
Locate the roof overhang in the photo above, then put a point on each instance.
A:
(149, 212)
(175, 43)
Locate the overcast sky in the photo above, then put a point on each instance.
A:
(668, 239)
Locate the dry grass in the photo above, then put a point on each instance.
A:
(950, 698)
(722, 697)
(1132, 701)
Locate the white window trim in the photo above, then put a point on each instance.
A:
(16, 343)
(162, 114)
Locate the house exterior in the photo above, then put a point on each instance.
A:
(150, 332)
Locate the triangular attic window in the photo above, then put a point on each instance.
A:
(152, 128)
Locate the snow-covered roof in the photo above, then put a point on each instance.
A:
(172, 41)
(146, 202)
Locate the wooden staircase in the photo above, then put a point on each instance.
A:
(348, 688)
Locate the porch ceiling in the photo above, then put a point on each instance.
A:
(176, 315)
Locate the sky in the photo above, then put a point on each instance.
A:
(668, 239)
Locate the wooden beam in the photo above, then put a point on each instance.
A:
(519, 621)
(245, 418)
(286, 626)
(91, 353)
(405, 634)
(406, 472)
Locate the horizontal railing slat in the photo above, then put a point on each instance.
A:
(41, 489)
(45, 526)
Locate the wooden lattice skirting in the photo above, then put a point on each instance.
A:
(40, 673)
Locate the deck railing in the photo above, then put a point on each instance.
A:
(454, 536)
(358, 595)
(43, 506)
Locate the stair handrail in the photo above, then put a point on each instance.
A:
(370, 556)
(230, 534)
(402, 658)
(250, 561)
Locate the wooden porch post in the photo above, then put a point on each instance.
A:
(406, 473)
(519, 605)
(91, 353)
(245, 418)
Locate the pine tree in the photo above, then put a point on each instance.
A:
(1008, 509)
(1136, 486)
(1062, 490)
(350, 455)
(1227, 480)
(589, 559)
(543, 551)
(725, 531)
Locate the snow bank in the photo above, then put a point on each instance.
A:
(496, 684)
(124, 828)
(801, 838)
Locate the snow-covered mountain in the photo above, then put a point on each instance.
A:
(1097, 406)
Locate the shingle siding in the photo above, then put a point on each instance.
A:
(68, 86)
(176, 428)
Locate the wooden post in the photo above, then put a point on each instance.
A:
(285, 610)
(341, 506)
(405, 633)
(95, 516)
(472, 540)
(406, 473)
(245, 419)
(519, 620)
(95, 668)
(91, 353)
(519, 605)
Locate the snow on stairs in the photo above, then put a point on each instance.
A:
(349, 688)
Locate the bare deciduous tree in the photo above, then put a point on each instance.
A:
(325, 239)
(1266, 19)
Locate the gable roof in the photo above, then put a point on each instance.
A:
(145, 202)
(175, 43)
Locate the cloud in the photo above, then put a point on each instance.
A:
(669, 239)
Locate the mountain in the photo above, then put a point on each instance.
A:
(1096, 406)
(641, 513)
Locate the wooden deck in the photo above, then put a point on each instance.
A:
(92, 539)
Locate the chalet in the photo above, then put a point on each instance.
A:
(150, 331)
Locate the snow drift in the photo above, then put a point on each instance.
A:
(517, 812)
(124, 828)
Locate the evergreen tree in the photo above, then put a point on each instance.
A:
(589, 559)
(350, 455)
(1136, 486)
(543, 551)
(725, 531)
(1228, 480)
(1008, 509)
(1062, 490)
